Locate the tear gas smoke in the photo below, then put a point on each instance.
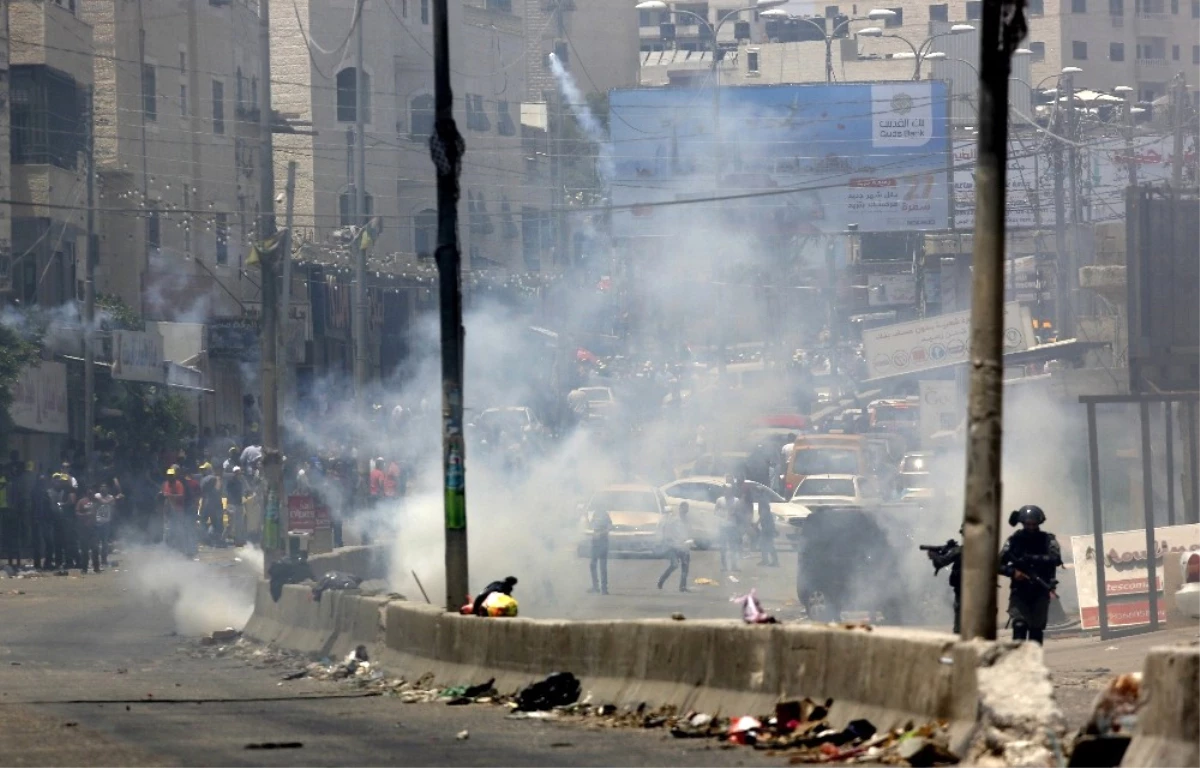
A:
(203, 596)
(583, 115)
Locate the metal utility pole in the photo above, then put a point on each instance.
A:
(89, 299)
(981, 515)
(1129, 155)
(273, 528)
(1072, 156)
(446, 146)
(285, 302)
(1178, 99)
(359, 219)
(1064, 319)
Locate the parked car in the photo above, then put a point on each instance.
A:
(636, 511)
(1187, 599)
(836, 491)
(701, 494)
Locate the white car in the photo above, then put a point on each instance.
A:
(701, 494)
(591, 402)
(1187, 599)
(817, 491)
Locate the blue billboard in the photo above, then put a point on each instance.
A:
(785, 160)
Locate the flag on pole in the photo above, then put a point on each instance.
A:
(268, 247)
(370, 233)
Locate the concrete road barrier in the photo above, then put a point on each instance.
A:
(366, 562)
(889, 676)
(1168, 729)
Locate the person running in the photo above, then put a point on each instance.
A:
(675, 539)
(600, 524)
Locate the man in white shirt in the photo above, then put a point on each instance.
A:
(676, 538)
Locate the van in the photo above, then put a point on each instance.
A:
(826, 455)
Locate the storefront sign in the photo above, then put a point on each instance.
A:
(40, 399)
(1125, 581)
(137, 356)
(305, 515)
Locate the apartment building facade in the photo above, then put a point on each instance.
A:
(177, 153)
(49, 78)
(502, 209)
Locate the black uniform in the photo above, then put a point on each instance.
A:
(951, 556)
(1035, 553)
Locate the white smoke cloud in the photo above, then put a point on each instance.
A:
(202, 596)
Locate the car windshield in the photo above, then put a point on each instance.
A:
(820, 486)
(824, 461)
(624, 501)
(915, 464)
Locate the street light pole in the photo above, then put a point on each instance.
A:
(829, 36)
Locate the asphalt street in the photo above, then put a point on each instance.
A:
(93, 672)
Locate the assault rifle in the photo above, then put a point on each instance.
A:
(943, 553)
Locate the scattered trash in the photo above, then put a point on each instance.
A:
(296, 675)
(705, 582)
(947, 660)
(1114, 710)
(207, 640)
(559, 744)
(557, 690)
(276, 745)
(678, 616)
(700, 720)
(70, 725)
(463, 735)
(734, 579)
(358, 654)
(744, 730)
(483, 689)
(122, 670)
(1112, 648)
(752, 612)
(532, 715)
(225, 635)
(334, 580)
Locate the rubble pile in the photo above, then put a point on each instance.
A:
(1019, 723)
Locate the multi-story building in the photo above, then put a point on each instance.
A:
(313, 60)
(596, 40)
(1142, 46)
(50, 75)
(5, 164)
(177, 148)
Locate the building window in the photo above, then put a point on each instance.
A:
(346, 204)
(752, 61)
(974, 10)
(425, 233)
(424, 11)
(652, 18)
(1175, 52)
(47, 116)
(1079, 50)
(1196, 9)
(218, 107)
(221, 227)
(149, 89)
(347, 95)
(896, 20)
(501, 6)
(939, 12)
(183, 105)
(1116, 52)
(153, 231)
(182, 62)
(1038, 50)
(1175, 7)
(536, 237)
(505, 125)
(420, 117)
(1037, 8)
(1078, 6)
(477, 119)
(238, 90)
(1195, 60)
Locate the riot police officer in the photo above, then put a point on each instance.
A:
(950, 554)
(1031, 558)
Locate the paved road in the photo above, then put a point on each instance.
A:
(92, 673)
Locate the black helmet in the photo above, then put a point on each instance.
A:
(1028, 514)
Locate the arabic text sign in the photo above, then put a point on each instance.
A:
(1021, 186)
(1125, 581)
(137, 356)
(806, 159)
(40, 399)
(935, 342)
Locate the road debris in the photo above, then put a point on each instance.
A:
(463, 735)
(704, 582)
(557, 690)
(225, 635)
(678, 617)
(752, 612)
(334, 580)
(1115, 708)
(276, 745)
